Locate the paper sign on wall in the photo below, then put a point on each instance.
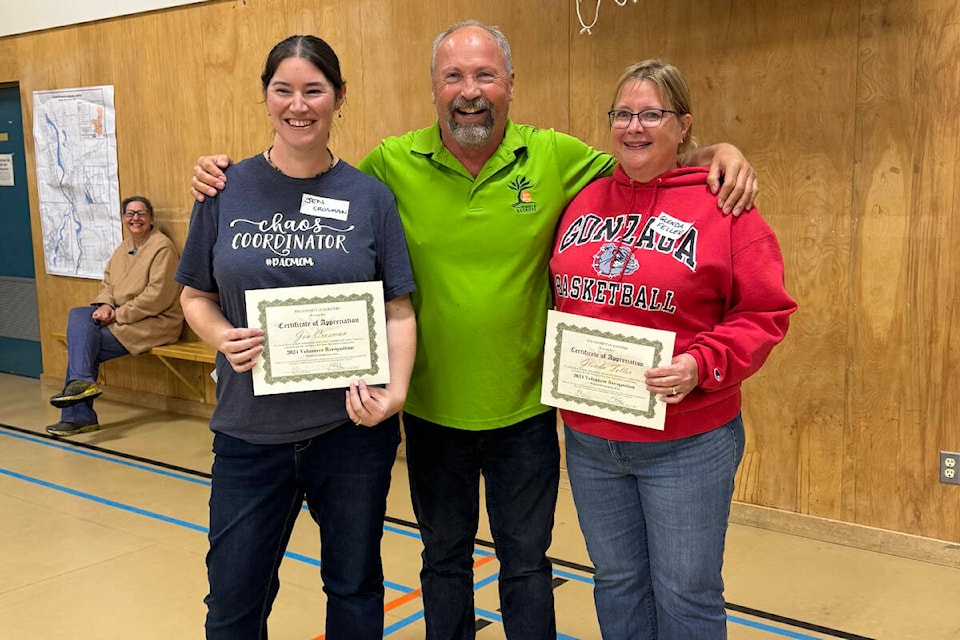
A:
(6, 170)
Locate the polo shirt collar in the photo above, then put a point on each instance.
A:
(427, 142)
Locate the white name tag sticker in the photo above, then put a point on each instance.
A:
(668, 226)
(324, 207)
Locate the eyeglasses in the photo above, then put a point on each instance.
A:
(647, 118)
(136, 214)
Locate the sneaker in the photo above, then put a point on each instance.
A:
(75, 392)
(71, 428)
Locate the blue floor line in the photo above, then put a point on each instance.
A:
(104, 501)
(401, 532)
(493, 616)
(99, 456)
(576, 577)
(404, 623)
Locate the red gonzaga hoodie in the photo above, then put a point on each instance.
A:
(661, 254)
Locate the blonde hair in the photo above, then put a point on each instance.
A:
(673, 91)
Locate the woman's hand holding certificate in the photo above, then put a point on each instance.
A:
(319, 337)
(597, 367)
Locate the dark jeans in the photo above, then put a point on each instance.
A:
(256, 495)
(521, 470)
(88, 344)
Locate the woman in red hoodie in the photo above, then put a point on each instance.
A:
(648, 246)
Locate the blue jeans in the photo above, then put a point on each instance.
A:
(654, 516)
(256, 495)
(521, 471)
(88, 344)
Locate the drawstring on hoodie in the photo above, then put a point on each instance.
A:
(637, 233)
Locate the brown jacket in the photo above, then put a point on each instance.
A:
(140, 286)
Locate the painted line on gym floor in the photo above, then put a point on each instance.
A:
(198, 477)
(104, 501)
(99, 453)
(121, 506)
(410, 597)
(766, 627)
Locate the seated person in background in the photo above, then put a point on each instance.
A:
(138, 308)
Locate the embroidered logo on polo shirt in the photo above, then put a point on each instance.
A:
(524, 203)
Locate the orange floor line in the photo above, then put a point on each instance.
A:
(405, 598)
(413, 595)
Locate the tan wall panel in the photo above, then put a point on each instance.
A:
(396, 85)
(49, 60)
(9, 61)
(849, 112)
(799, 135)
(903, 347)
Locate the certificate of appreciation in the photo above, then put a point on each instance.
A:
(596, 367)
(319, 337)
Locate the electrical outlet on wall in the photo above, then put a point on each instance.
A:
(949, 467)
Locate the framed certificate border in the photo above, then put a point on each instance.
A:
(314, 311)
(596, 367)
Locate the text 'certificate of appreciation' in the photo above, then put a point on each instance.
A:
(596, 367)
(319, 337)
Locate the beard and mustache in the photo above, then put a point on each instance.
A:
(476, 134)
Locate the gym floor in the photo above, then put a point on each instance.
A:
(103, 536)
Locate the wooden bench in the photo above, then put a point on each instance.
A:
(190, 350)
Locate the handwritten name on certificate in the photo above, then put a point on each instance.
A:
(596, 367)
(319, 337)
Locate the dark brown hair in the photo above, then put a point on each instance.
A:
(311, 49)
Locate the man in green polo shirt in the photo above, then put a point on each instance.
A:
(479, 197)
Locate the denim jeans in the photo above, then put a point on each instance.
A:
(88, 344)
(654, 517)
(521, 471)
(256, 495)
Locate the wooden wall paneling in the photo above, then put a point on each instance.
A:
(340, 24)
(234, 120)
(48, 60)
(392, 89)
(741, 96)
(123, 53)
(538, 32)
(791, 114)
(932, 336)
(881, 193)
(239, 122)
(789, 103)
(397, 70)
(938, 337)
(163, 118)
(848, 112)
(236, 41)
(161, 112)
(9, 60)
(621, 36)
(902, 334)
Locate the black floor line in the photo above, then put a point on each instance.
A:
(756, 613)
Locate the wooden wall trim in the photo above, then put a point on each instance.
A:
(848, 534)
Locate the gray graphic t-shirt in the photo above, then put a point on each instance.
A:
(268, 230)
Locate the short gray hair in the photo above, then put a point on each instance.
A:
(489, 28)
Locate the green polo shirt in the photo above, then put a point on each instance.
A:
(480, 248)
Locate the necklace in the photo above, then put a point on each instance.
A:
(279, 170)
